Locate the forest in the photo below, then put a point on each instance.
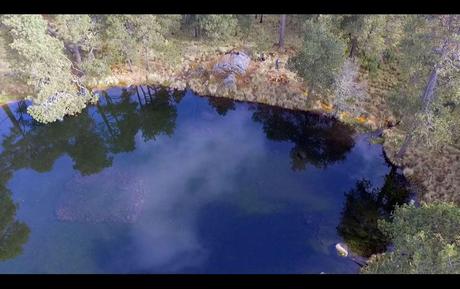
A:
(396, 77)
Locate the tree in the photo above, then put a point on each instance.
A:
(282, 30)
(244, 23)
(131, 38)
(368, 37)
(320, 58)
(147, 32)
(428, 94)
(169, 23)
(217, 26)
(426, 241)
(353, 26)
(76, 31)
(41, 62)
(120, 40)
(189, 22)
(82, 36)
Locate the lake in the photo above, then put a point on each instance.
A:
(157, 181)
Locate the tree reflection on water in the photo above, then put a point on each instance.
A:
(318, 140)
(91, 138)
(364, 206)
(13, 233)
(96, 135)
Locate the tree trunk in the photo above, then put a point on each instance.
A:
(282, 30)
(130, 64)
(12, 118)
(261, 18)
(147, 65)
(428, 95)
(77, 54)
(405, 145)
(354, 46)
(196, 31)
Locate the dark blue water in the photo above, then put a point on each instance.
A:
(161, 182)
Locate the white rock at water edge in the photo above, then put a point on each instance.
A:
(342, 249)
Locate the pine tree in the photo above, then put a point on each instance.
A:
(41, 62)
(321, 57)
(428, 95)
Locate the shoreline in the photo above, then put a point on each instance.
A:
(263, 83)
(415, 194)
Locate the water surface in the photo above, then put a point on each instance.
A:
(154, 181)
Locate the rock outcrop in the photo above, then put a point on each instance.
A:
(234, 62)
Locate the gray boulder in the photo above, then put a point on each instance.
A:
(230, 81)
(232, 63)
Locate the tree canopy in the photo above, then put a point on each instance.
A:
(55, 56)
(321, 56)
(426, 240)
